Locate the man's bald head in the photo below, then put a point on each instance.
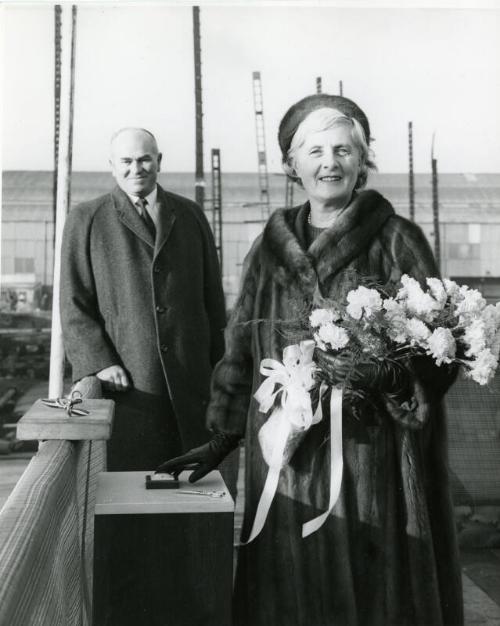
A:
(125, 133)
(135, 160)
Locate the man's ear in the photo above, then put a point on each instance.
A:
(160, 155)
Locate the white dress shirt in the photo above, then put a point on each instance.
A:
(152, 207)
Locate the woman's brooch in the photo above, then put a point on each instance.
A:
(67, 404)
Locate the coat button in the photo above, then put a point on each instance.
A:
(156, 269)
(163, 347)
(160, 309)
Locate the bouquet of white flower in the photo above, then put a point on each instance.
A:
(450, 323)
(359, 347)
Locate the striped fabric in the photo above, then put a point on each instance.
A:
(46, 537)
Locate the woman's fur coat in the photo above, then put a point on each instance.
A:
(387, 554)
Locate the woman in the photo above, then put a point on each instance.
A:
(387, 554)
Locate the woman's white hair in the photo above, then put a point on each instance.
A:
(324, 119)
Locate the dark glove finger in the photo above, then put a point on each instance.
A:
(169, 468)
(180, 463)
(202, 470)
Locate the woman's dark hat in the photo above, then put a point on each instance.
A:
(301, 109)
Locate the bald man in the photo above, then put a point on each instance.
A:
(142, 306)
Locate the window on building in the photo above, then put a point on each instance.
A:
(463, 251)
(474, 233)
(24, 265)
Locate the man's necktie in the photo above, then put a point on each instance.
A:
(144, 213)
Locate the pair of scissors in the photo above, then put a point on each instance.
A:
(210, 494)
(67, 404)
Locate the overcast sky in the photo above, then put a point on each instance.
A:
(439, 68)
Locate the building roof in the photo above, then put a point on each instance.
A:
(27, 195)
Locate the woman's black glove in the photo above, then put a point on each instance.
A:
(203, 459)
(364, 378)
(386, 376)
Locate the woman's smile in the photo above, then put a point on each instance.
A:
(328, 164)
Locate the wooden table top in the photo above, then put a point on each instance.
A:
(125, 493)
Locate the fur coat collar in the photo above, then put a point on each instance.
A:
(283, 242)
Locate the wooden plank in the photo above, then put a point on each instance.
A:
(43, 422)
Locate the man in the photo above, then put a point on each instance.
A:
(142, 306)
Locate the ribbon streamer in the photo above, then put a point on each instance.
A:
(284, 430)
(272, 478)
(336, 461)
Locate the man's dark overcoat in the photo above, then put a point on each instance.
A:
(156, 309)
(387, 555)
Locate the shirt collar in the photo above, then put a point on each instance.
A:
(151, 198)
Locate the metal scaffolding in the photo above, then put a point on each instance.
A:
(261, 145)
(411, 179)
(217, 203)
(57, 106)
(435, 207)
(199, 175)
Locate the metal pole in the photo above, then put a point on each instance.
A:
(199, 176)
(57, 108)
(217, 204)
(68, 21)
(45, 254)
(411, 180)
(435, 207)
(318, 84)
(72, 97)
(341, 89)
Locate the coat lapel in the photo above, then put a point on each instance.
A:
(332, 251)
(129, 216)
(167, 219)
(354, 229)
(131, 219)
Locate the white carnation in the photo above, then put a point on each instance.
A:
(416, 300)
(452, 289)
(491, 318)
(417, 332)
(437, 290)
(442, 346)
(470, 303)
(363, 300)
(321, 316)
(394, 308)
(334, 335)
(483, 367)
(475, 337)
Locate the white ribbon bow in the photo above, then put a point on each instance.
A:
(294, 379)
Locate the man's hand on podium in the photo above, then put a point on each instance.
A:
(203, 459)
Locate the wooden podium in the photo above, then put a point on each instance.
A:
(172, 558)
